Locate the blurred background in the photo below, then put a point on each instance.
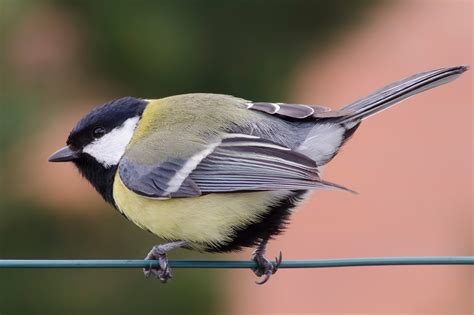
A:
(413, 166)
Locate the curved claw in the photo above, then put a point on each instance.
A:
(266, 276)
(278, 261)
(265, 267)
(146, 272)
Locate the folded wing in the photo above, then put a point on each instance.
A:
(236, 163)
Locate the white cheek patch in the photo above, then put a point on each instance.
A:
(109, 149)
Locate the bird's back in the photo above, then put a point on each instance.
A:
(203, 115)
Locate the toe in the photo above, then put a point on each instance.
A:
(264, 268)
(164, 275)
(266, 277)
(278, 261)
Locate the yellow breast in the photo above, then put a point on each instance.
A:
(205, 220)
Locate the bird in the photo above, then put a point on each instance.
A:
(217, 173)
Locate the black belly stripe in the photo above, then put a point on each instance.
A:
(271, 224)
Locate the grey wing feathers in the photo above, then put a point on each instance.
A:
(243, 164)
(156, 181)
(297, 111)
(237, 163)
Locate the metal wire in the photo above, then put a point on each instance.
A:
(319, 263)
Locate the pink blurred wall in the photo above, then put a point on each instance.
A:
(412, 166)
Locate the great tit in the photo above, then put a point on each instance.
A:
(215, 172)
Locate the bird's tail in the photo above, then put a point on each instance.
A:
(397, 92)
(333, 128)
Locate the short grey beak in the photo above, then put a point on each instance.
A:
(65, 154)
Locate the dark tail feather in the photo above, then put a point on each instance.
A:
(397, 92)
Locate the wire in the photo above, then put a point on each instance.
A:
(319, 263)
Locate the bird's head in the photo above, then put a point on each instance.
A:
(98, 141)
(103, 134)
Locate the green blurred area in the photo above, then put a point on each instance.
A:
(147, 49)
(27, 233)
(161, 48)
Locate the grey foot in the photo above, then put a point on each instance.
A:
(158, 252)
(161, 272)
(265, 267)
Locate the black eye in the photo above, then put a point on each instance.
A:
(98, 132)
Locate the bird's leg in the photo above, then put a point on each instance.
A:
(158, 252)
(264, 267)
